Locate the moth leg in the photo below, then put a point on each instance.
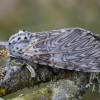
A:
(31, 69)
(14, 63)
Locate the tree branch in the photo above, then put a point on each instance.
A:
(63, 89)
(66, 84)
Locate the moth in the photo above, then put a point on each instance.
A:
(71, 48)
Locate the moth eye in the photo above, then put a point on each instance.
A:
(25, 37)
(24, 30)
(19, 38)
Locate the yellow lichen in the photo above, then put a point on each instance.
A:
(1, 75)
(1, 72)
(3, 53)
(2, 92)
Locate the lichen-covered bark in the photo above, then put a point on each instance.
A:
(66, 85)
(16, 78)
(13, 78)
(60, 90)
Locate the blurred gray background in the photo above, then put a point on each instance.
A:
(44, 15)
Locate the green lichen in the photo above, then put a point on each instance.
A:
(42, 94)
(94, 81)
(63, 90)
(80, 81)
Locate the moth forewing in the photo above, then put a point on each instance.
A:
(72, 48)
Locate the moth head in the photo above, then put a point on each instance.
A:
(18, 42)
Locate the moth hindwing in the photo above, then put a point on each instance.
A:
(70, 48)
